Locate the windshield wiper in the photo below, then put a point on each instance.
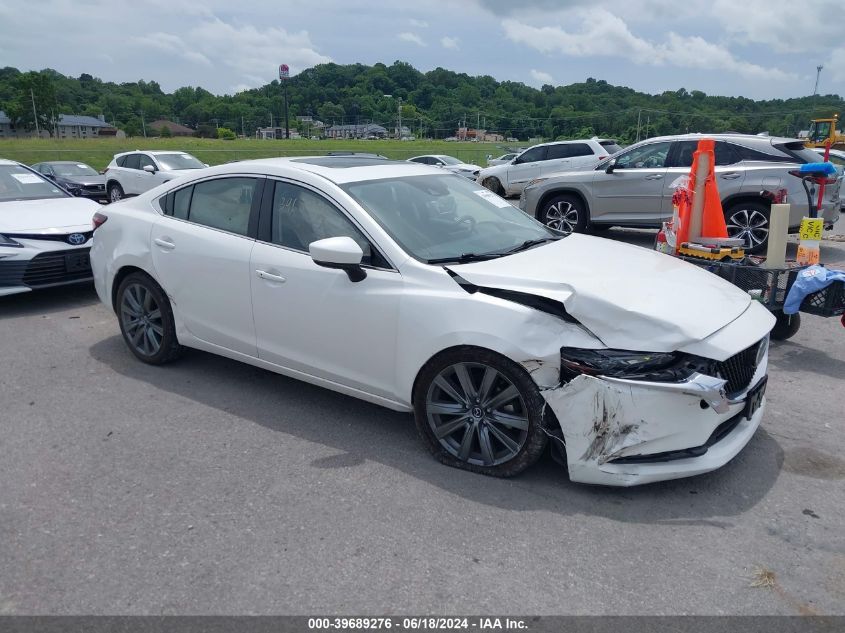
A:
(529, 243)
(465, 258)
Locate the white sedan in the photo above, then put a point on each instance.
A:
(449, 163)
(45, 232)
(423, 292)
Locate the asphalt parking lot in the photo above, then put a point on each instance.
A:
(210, 487)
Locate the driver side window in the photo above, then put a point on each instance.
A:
(652, 155)
(301, 216)
(532, 155)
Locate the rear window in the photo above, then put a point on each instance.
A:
(121, 161)
(800, 153)
(610, 146)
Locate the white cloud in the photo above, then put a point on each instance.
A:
(450, 42)
(541, 77)
(411, 37)
(420, 24)
(605, 34)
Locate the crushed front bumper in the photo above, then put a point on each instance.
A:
(621, 432)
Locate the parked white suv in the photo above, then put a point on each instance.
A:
(131, 173)
(510, 178)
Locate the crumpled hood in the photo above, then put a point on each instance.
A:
(52, 215)
(630, 297)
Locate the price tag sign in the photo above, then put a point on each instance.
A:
(807, 256)
(811, 229)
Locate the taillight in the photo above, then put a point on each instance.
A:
(99, 219)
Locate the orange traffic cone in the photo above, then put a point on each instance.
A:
(708, 220)
(713, 220)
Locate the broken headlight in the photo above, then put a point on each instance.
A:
(619, 363)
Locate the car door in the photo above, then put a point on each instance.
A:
(147, 180)
(729, 173)
(525, 168)
(558, 158)
(201, 248)
(633, 190)
(127, 175)
(313, 319)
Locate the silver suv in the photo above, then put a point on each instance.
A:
(634, 187)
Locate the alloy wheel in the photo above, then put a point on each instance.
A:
(562, 216)
(750, 225)
(142, 320)
(114, 194)
(477, 414)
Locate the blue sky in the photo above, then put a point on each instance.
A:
(754, 48)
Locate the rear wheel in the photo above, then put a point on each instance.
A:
(494, 185)
(479, 411)
(565, 213)
(115, 192)
(750, 222)
(146, 320)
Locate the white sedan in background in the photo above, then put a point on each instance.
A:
(450, 163)
(420, 291)
(501, 160)
(45, 232)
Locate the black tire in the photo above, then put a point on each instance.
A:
(514, 438)
(494, 185)
(148, 331)
(565, 213)
(750, 221)
(786, 326)
(115, 192)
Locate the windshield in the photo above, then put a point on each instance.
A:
(446, 216)
(18, 183)
(73, 169)
(449, 160)
(819, 130)
(178, 161)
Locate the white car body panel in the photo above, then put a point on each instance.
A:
(370, 339)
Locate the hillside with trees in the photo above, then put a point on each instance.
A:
(434, 104)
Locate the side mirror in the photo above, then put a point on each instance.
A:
(149, 169)
(342, 253)
(611, 165)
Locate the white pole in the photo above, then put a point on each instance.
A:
(697, 213)
(778, 231)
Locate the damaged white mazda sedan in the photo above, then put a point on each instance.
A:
(421, 291)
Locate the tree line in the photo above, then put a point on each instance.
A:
(433, 105)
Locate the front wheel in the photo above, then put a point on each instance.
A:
(115, 192)
(494, 185)
(479, 411)
(749, 221)
(146, 320)
(565, 213)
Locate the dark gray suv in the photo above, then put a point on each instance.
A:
(634, 187)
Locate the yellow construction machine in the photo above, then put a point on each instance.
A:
(823, 131)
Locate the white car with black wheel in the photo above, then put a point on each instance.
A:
(450, 163)
(420, 291)
(45, 232)
(133, 173)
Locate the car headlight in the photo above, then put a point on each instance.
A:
(618, 363)
(7, 241)
(536, 181)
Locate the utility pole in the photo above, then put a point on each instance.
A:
(284, 75)
(818, 72)
(34, 114)
(639, 116)
(242, 127)
(143, 125)
(399, 112)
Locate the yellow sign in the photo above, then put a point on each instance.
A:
(807, 256)
(811, 229)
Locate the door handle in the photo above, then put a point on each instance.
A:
(731, 176)
(263, 274)
(164, 243)
(654, 177)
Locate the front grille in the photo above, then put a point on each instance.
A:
(52, 237)
(739, 369)
(58, 267)
(95, 188)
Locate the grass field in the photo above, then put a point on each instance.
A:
(98, 152)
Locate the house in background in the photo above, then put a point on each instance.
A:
(80, 126)
(368, 130)
(175, 128)
(5, 125)
(273, 133)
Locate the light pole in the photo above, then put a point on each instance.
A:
(399, 116)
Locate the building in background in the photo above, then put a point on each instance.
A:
(175, 129)
(66, 126)
(364, 130)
